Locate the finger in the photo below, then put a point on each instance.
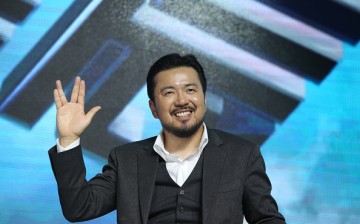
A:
(57, 99)
(61, 92)
(92, 112)
(81, 95)
(75, 91)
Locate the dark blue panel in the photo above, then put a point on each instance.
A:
(329, 16)
(250, 37)
(15, 10)
(102, 65)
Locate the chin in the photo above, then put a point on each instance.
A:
(185, 131)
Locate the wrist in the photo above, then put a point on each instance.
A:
(66, 141)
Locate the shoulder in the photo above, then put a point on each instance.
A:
(230, 139)
(232, 144)
(133, 148)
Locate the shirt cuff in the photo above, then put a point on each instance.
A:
(59, 148)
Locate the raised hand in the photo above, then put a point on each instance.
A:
(71, 119)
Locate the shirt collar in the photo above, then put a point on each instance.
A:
(160, 148)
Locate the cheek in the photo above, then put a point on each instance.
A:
(163, 108)
(200, 101)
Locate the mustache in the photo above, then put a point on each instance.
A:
(192, 109)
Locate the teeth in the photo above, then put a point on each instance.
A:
(182, 114)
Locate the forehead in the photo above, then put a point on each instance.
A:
(177, 76)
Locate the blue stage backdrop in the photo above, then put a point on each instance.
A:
(283, 74)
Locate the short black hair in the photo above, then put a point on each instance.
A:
(170, 61)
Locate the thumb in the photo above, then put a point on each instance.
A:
(92, 112)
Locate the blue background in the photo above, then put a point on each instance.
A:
(312, 157)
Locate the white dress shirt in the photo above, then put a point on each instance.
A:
(179, 169)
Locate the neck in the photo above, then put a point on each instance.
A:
(182, 147)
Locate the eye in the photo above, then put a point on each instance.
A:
(191, 90)
(168, 93)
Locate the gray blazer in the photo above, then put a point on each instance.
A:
(234, 183)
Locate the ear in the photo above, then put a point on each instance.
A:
(153, 109)
(205, 98)
(205, 102)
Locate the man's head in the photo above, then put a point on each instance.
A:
(173, 61)
(176, 88)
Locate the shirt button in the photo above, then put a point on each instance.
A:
(181, 209)
(182, 192)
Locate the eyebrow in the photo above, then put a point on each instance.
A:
(172, 87)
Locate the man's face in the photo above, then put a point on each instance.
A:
(180, 103)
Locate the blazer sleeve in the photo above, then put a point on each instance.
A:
(258, 204)
(81, 199)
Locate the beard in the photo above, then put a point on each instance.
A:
(185, 131)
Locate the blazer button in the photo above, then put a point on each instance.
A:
(181, 209)
(182, 192)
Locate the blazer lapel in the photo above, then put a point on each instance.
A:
(147, 167)
(214, 158)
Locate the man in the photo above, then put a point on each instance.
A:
(187, 174)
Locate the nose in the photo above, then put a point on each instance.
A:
(181, 99)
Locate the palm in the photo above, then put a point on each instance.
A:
(71, 119)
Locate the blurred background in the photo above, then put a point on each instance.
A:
(283, 74)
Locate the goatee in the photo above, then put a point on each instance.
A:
(183, 132)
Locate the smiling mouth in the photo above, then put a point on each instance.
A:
(182, 114)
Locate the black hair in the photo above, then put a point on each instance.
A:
(173, 61)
